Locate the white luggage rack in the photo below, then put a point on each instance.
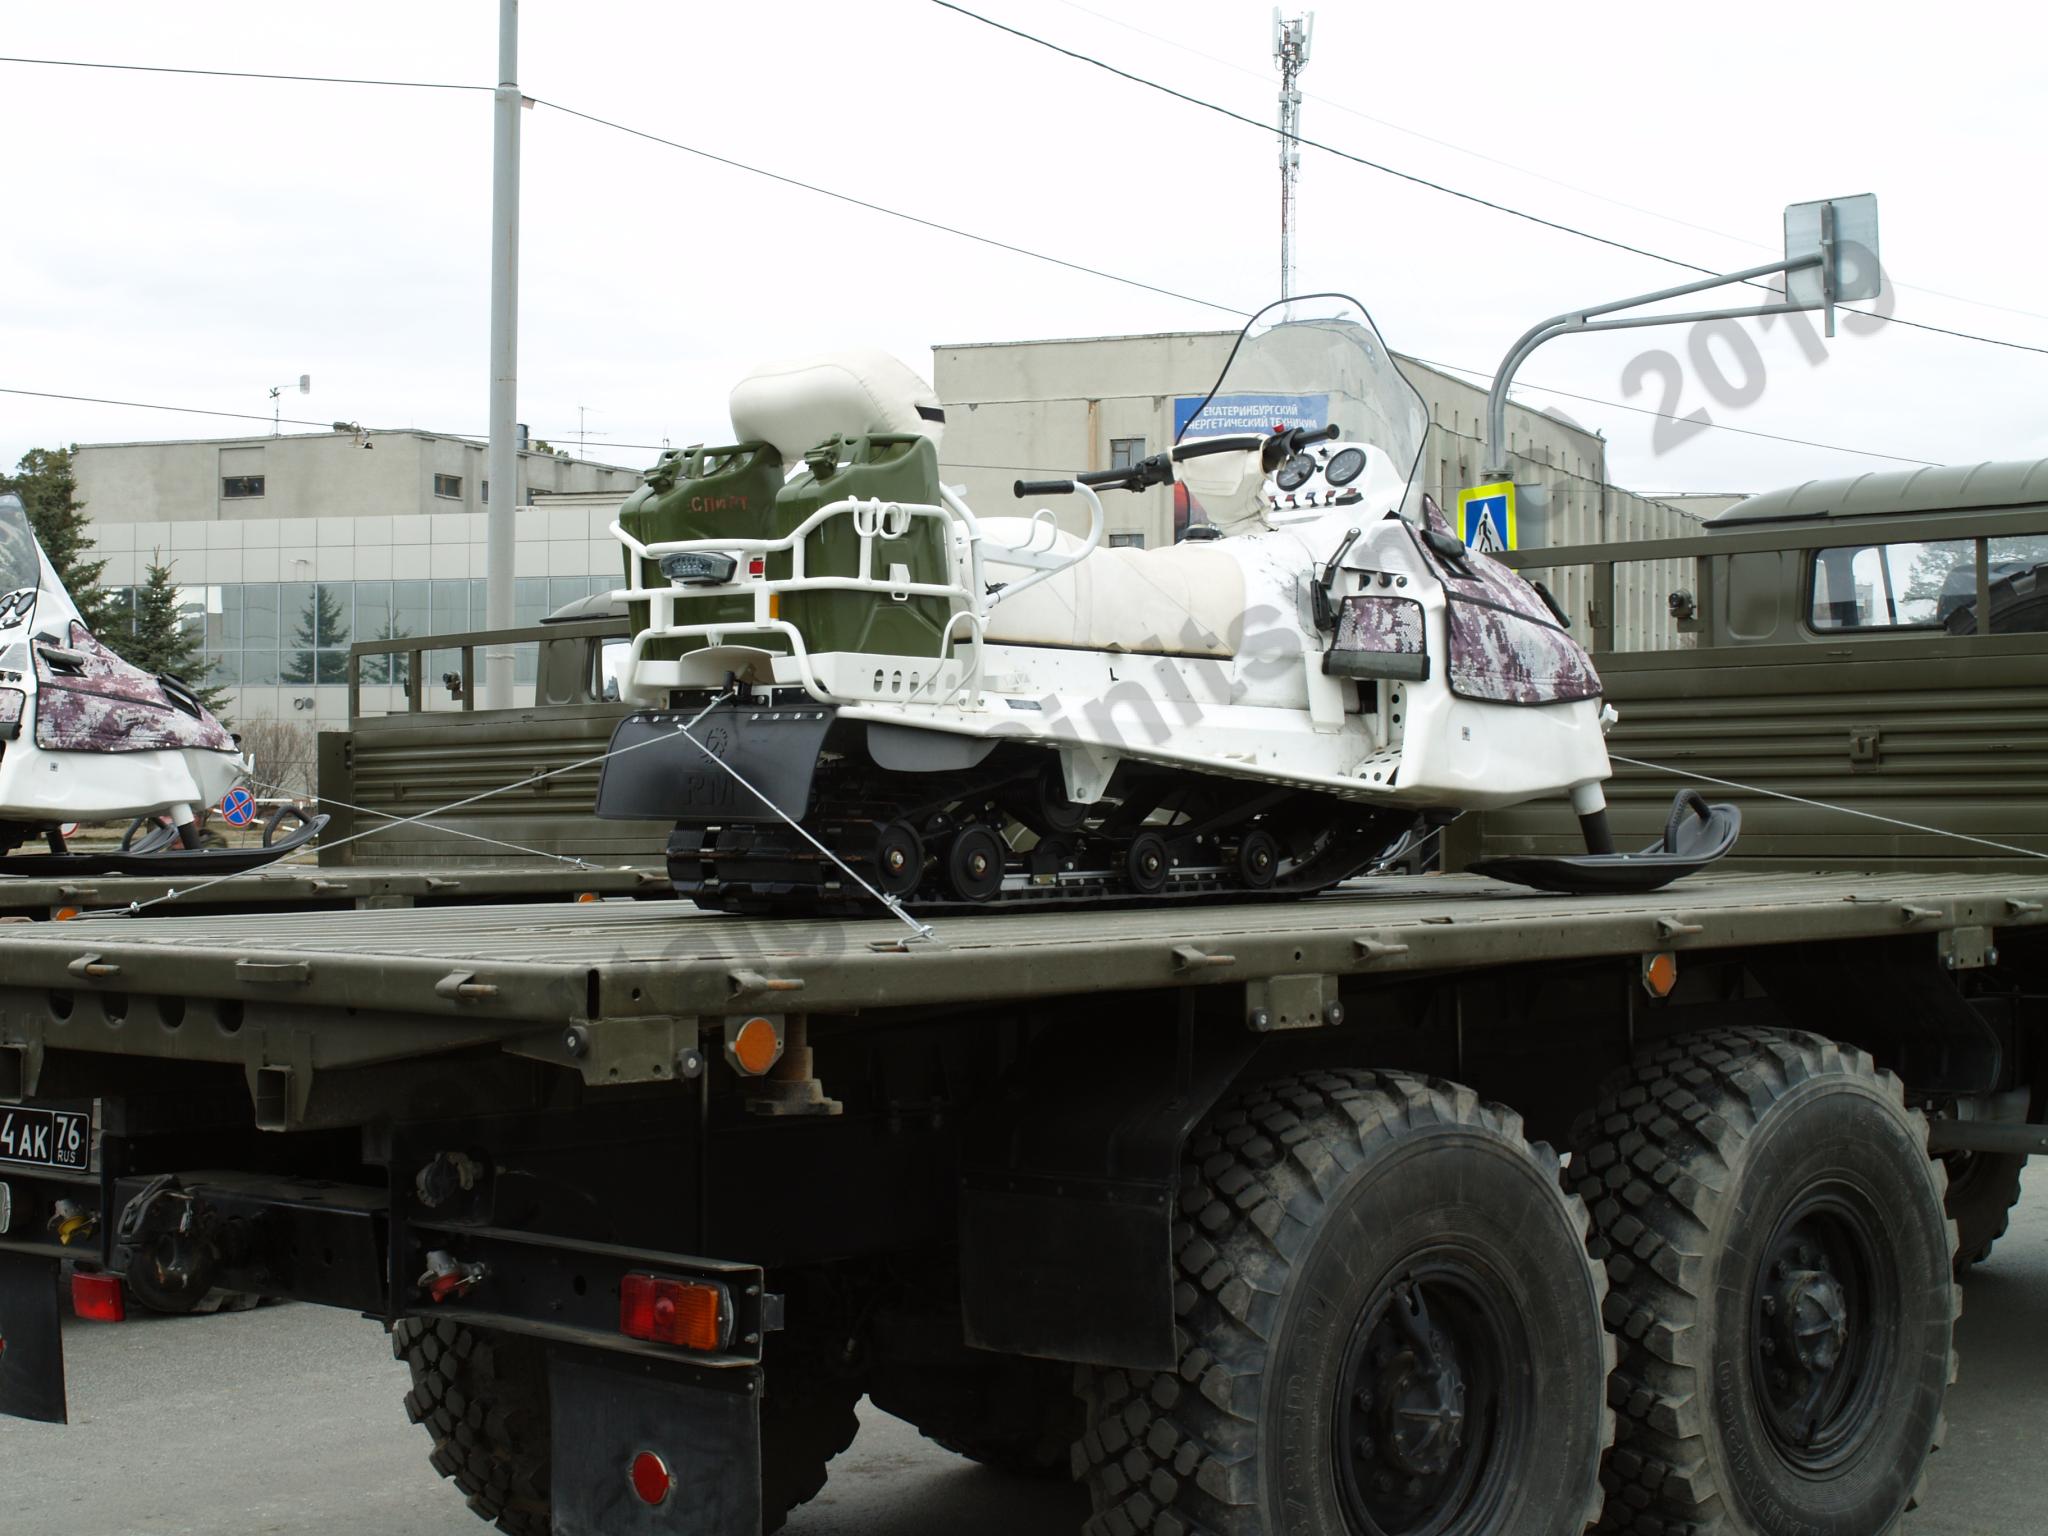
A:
(837, 677)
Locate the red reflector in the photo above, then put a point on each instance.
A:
(652, 1479)
(757, 566)
(672, 1312)
(98, 1298)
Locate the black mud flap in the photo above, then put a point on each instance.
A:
(658, 772)
(31, 1340)
(704, 1427)
(1696, 835)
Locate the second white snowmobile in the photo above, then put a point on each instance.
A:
(87, 737)
(966, 710)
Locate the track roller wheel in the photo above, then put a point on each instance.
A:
(899, 858)
(974, 863)
(1148, 864)
(1258, 859)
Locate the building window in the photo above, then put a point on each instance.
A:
(241, 485)
(1127, 540)
(1125, 451)
(449, 486)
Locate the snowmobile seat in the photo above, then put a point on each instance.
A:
(1184, 600)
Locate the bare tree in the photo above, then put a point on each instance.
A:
(286, 753)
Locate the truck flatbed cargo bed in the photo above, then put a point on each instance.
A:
(313, 886)
(615, 960)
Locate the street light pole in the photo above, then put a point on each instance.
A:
(502, 465)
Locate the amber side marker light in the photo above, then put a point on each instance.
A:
(755, 1046)
(1660, 973)
(689, 1313)
(98, 1298)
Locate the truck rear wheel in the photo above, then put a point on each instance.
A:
(1003, 1411)
(1389, 1323)
(483, 1396)
(1983, 1187)
(1773, 1227)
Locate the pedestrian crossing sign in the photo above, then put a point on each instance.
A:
(1486, 517)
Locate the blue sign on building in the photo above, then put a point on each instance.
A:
(1246, 413)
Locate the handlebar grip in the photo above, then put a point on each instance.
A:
(1044, 488)
(1112, 477)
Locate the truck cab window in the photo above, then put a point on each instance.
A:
(1892, 586)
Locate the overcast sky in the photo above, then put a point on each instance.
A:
(190, 242)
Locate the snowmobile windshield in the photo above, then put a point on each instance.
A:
(20, 567)
(1308, 362)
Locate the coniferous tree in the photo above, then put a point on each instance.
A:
(161, 644)
(319, 625)
(48, 486)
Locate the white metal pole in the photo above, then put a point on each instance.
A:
(502, 461)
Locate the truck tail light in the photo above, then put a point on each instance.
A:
(690, 1313)
(98, 1298)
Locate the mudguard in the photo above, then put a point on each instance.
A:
(657, 770)
(31, 1340)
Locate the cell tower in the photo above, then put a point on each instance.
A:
(1291, 41)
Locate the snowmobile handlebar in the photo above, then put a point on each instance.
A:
(1154, 469)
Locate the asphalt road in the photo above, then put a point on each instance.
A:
(285, 1422)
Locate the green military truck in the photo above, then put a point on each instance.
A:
(1428, 1205)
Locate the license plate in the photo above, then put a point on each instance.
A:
(46, 1138)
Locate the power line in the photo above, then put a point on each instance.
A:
(894, 213)
(248, 74)
(1524, 170)
(1437, 186)
(1717, 426)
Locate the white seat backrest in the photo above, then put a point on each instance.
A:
(797, 405)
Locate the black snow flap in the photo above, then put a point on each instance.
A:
(31, 1340)
(660, 771)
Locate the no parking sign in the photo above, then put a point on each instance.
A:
(238, 806)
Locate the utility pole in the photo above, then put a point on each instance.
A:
(502, 461)
(1291, 41)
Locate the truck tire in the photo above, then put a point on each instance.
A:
(1983, 1187)
(1005, 1411)
(1388, 1322)
(483, 1396)
(1783, 1294)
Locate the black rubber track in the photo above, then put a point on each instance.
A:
(1658, 1162)
(1180, 1453)
(483, 1397)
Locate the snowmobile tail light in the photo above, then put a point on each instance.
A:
(98, 1298)
(691, 1313)
(1660, 973)
(695, 569)
(652, 1481)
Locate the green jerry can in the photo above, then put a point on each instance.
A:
(898, 467)
(703, 493)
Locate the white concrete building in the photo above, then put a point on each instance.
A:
(286, 549)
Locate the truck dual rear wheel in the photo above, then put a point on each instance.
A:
(1773, 1229)
(483, 1396)
(1389, 1326)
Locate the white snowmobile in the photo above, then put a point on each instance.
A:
(966, 710)
(86, 737)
